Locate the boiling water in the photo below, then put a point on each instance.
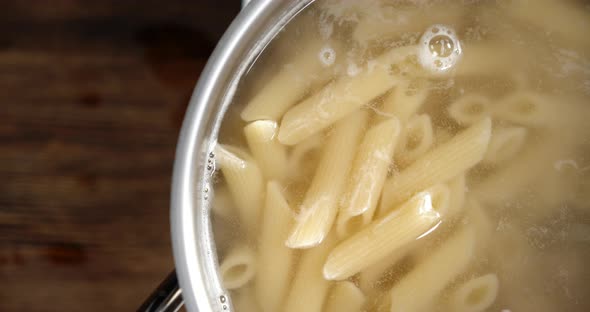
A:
(523, 64)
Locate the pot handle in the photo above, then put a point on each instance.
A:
(166, 298)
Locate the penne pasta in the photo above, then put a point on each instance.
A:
(525, 108)
(368, 174)
(299, 166)
(223, 205)
(442, 136)
(370, 276)
(458, 189)
(481, 223)
(245, 300)
(439, 165)
(343, 96)
(237, 267)
(271, 282)
(406, 98)
(506, 183)
(402, 156)
(470, 109)
(388, 234)
(345, 297)
(320, 204)
(309, 288)
(506, 142)
(420, 287)
(266, 149)
(416, 139)
(244, 181)
(292, 82)
(475, 295)
(566, 21)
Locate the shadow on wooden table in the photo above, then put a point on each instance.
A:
(92, 95)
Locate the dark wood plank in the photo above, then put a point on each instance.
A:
(92, 96)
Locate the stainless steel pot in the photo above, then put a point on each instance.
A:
(196, 281)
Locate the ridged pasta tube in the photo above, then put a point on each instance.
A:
(386, 235)
(439, 165)
(342, 97)
(320, 204)
(270, 155)
(368, 174)
(469, 109)
(309, 288)
(244, 181)
(237, 267)
(475, 295)
(421, 286)
(274, 258)
(345, 297)
(416, 139)
(290, 84)
(505, 143)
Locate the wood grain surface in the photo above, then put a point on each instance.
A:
(92, 96)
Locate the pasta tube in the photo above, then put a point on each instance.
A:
(416, 139)
(388, 234)
(309, 288)
(458, 188)
(406, 98)
(506, 183)
(439, 165)
(237, 267)
(244, 181)
(274, 257)
(268, 152)
(505, 144)
(245, 300)
(369, 277)
(290, 83)
(368, 174)
(566, 20)
(345, 297)
(526, 108)
(223, 205)
(420, 287)
(342, 97)
(320, 204)
(475, 295)
(469, 109)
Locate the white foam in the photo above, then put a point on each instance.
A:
(327, 56)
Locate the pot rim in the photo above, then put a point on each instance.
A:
(192, 243)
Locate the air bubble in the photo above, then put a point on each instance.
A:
(327, 56)
(441, 45)
(222, 299)
(440, 50)
(352, 70)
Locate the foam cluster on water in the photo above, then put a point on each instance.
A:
(327, 56)
(440, 48)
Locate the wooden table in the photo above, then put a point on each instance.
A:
(92, 96)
